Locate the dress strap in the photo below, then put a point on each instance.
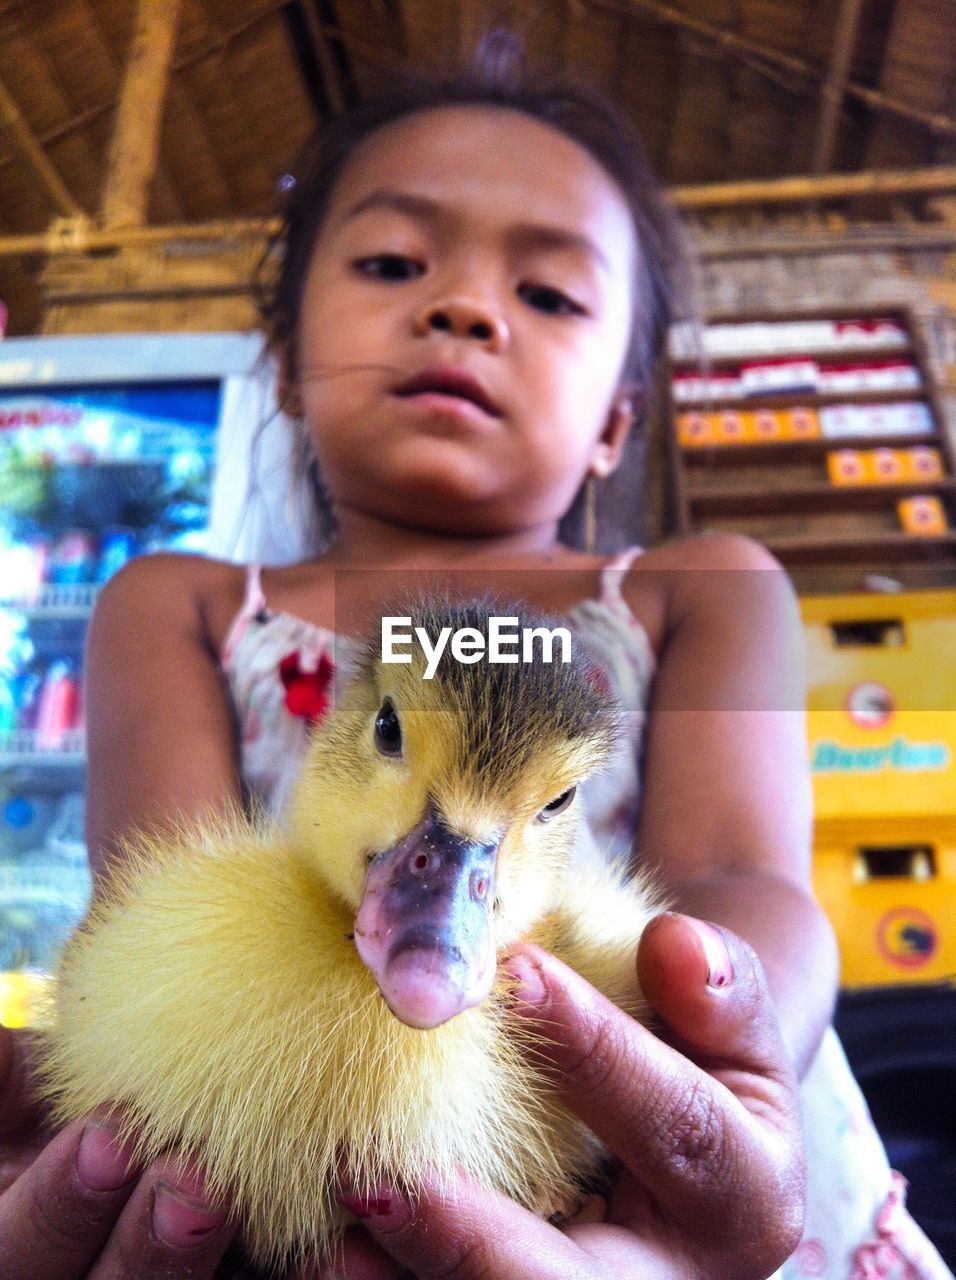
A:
(612, 575)
(255, 600)
(253, 604)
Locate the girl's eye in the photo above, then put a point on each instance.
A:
(389, 266)
(551, 301)
(388, 731)
(557, 805)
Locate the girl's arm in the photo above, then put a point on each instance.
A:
(159, 728)
(727, 809)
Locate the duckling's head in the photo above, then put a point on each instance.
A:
(439, 801)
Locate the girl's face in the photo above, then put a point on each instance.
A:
(464, 323)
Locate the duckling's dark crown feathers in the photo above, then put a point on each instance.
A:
(508, 709)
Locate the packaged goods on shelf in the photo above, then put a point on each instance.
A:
(698, 385)
(923, 462)
(885, 375)
(887, 466)
(881, 332)
(689, 342)
(800, 424)
(923, 516)
(694, 429)
(730, 427)
(744, 426)
(848, 466)
(781, 377)
(884, 466)
(906, 417)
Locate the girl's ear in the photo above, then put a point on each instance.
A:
(610, 443)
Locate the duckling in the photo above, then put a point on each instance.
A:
(291, 1004)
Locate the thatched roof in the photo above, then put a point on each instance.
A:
(720, 90)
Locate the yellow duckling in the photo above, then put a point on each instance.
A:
(293, 1004)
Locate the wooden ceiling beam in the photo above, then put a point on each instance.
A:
(320, 39)
(134, 148)
(837, 186)
(874, 238)
(753, 52)
(211, 49)
(834, 87)
(165, 195)
(30, 151)
(84, 237)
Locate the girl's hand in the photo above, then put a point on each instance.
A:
(78, 1207)
(706, 1127)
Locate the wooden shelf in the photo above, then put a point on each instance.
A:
(822, 355)
(799, 400)
(777, 491)
(817, 497)
(888, 548)
(757, 452)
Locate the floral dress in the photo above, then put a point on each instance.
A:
(282, 674)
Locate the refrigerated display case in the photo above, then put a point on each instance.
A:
(109, 447)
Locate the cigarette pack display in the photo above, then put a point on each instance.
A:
(849, 467)
(783, 377)
(695, 429)
(800, 424)
(730, 427)
(909, 417)
(923, 462)
(923, 516)
(887, 466)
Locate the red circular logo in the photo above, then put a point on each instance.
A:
(907, 937)
(870, 705)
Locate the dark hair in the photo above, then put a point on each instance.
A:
(496, 76)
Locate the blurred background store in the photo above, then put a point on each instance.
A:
(811, 149)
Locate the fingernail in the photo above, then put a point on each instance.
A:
(530, 988)
(720, 971)
(377, 1202)
(181, 1220)
(102, 1161)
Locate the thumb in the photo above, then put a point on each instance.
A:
(689, 1119)
(708, 987)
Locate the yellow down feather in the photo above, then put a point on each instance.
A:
(216, 996)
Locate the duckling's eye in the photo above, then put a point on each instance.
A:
(557, 805)
(388, 732)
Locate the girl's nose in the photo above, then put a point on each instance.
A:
(464, 318)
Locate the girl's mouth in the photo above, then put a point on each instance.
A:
(450, 389)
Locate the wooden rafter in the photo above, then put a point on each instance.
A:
(135, 144)
(84, 237)
(31, 153)
(837, 186)
(320, 40)
(709, 244)
(211, 49)
(168, 197)
(754, 53)
(834, 87)
(362, 48)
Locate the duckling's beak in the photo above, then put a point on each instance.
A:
(424, 927)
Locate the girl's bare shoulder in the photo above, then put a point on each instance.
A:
(698, 573)
(169, 592)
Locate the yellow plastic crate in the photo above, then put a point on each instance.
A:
(882, 740)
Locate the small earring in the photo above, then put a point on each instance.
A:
(590, 514)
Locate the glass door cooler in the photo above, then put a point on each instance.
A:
(108, 450)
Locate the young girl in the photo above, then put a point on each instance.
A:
(474, 286)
